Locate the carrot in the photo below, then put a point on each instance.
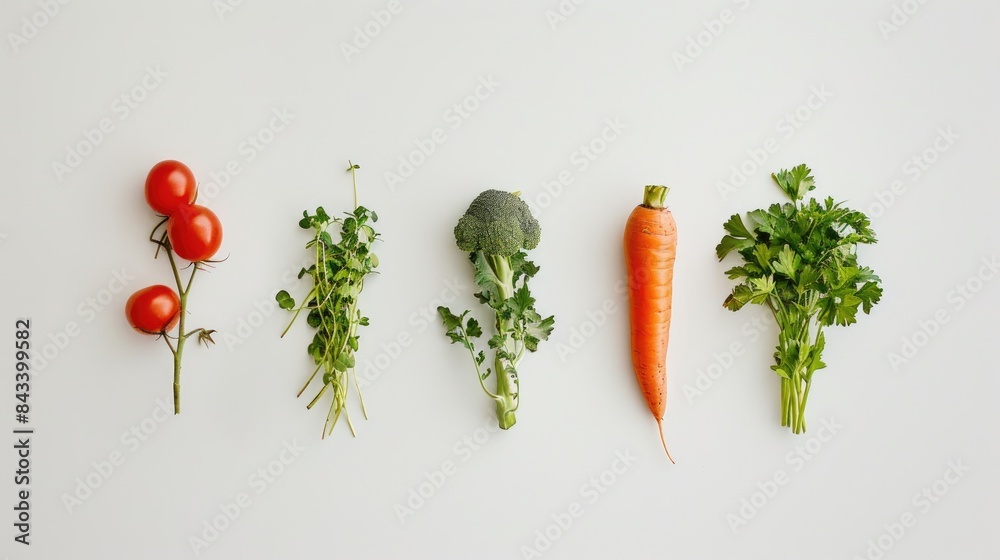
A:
(650, 248)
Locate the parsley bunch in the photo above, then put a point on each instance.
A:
(800, 260)
(338, 277)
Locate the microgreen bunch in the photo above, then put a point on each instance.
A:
(338, 275)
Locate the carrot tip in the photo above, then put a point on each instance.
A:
(659, 423)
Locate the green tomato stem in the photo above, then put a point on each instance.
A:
(182, 336)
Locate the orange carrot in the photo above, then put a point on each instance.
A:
(650, 248)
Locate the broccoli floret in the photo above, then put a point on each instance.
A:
(497, 223)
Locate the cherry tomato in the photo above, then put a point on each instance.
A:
(153, 310)
(170, 184)
(195, 232)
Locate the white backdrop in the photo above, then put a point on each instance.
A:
(578, 105)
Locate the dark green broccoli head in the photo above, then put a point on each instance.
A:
(498, 223)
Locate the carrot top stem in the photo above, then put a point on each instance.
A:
(655, 196)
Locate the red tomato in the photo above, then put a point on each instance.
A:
(153, 310)
(169, 185)
(195, 232)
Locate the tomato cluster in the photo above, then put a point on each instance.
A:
(194, 233)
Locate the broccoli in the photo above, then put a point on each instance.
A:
(496, 230)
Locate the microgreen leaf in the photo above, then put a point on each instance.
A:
(284, 300)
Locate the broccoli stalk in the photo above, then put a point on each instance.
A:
(495, 231)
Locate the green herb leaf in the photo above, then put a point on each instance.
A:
(788, 263)
(796, 182)
(284, 300)
(472, 329)
(451, 321)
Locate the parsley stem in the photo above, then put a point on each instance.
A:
(784, 401)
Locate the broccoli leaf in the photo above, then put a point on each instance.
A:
(520, 302)
(485, 277)
(451, 321)
(539, 331)
(472, 328)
